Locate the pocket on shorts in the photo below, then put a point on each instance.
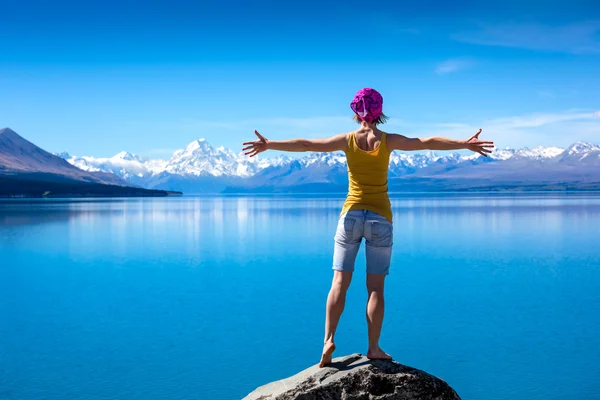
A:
(345, 229)
(382, 234)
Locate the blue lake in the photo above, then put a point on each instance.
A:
(210, 297)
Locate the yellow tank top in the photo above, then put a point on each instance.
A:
(368, 179)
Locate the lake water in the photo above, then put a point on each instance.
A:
(210, 297)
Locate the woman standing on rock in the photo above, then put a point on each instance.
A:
(367, 212)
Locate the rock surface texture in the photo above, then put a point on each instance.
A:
(355, 377)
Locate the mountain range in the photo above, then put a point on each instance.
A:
(26, 170)
(202, 168)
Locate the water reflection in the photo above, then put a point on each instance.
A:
(12, 210)
(250, 213)
(230, 225)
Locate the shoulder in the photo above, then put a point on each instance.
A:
(396, 141)
(344, 140)
(390, 137)
(343, 137)
(333, 143)
(340, 137)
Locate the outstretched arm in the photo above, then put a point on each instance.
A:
(399, 142)
(334, 143)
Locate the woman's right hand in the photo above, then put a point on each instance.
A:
(256, 147)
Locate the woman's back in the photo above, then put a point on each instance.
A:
(368, 139)
(368, 161)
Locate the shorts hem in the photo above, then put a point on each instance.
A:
(342, 269)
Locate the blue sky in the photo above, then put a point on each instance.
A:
(150, 77)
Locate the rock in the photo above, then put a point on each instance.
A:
(355, 377)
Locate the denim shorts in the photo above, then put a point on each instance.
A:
(378, 233)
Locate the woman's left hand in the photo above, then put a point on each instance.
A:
(482, 147)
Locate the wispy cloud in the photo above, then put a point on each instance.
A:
(520, 122)
(538, 129)
(538, 119)
(576, 38)
(454, 65)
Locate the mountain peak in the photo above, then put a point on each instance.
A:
(21, 156)
(199, 144)
(582, 147)
(7, 132)
(124, 155)
(430, 154)
(63, 154)
(8, 137)
(539, 153)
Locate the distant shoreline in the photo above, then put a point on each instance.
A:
(89, 195)
(52, 186)
(341, 195)
(466, 191)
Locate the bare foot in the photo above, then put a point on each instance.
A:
(328, 350)
(378, 354)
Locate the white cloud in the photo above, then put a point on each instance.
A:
(530, 130)
(577, 38)
(538, 119)
(454, 65)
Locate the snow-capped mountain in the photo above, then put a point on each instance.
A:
(200, 165)
(582, 148)
(537, 153)
(199, 158)
(26, 170)
(125, 165)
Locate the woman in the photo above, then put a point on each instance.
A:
(367, 211)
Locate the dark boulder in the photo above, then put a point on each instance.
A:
(357, 378)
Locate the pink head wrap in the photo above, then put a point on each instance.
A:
(367, 104)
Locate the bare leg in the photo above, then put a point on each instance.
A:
(375, 308)
(335, 306)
